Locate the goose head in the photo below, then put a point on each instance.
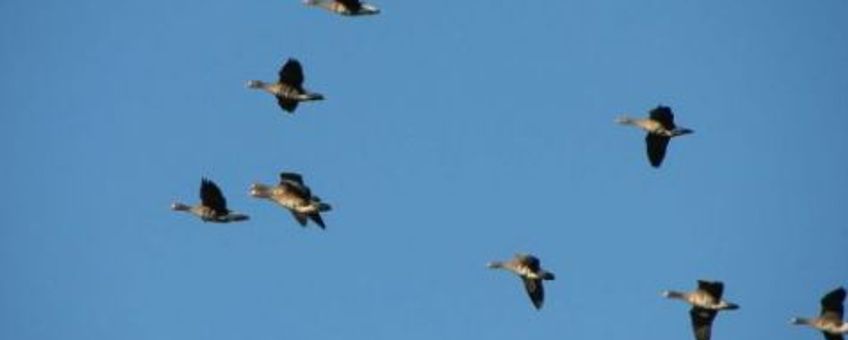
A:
(260, 190)
(255, 84)
(177, 206)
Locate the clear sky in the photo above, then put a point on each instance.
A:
(454, 133)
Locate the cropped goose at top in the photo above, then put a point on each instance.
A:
(291, 193)
(529, 269)
(288, 89)
(345, 7)
(212, 207)
(660, 128)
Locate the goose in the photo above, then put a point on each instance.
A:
(529, 269)
(829, 321)
(295, 196)
(345, 7)
(706, 303)
(212, 207)
(289, 88)
(660, 127)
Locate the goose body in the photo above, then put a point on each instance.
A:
(288, 89)
(212, 207)
(528, 268)
(829, 321)
(291, 193)
(660, 130)
(345, 7)
(706, 302)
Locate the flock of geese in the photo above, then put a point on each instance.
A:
(292, 193)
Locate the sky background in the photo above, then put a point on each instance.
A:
(454, 133)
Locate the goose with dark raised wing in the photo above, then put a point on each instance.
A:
(706, 302)
(345, 7)
(660, 128)
(212, 207)
(288, 89)
(291, 193)
(829, 322)
(529, 269)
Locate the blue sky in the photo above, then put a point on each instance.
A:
(454, 133)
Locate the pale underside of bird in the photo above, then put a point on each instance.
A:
(660, 130)
(345, 7)
(829, 321)
(706, 302)
(528, 268)
(288, 89)
(212, 206)
(291, 193)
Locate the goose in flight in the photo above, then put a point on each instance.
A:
(829, 322)
(706, 302)
(291, 193)
(528, 268)
(345, 7)
(288, 89)
(212, 207)
(660, 128)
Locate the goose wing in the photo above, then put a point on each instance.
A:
(702, 322)
(656, 146)
(291, 176)
(832, 304)
(535, 290)
(714, 288)
(316, 217)
(287, 105)
(663, 115)
(351, 5)
(292, 74)
(211, 196)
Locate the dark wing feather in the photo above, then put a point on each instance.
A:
(832, 304)
(291, 176)
(316, 217)
(211, 196)
(831, 336)
(663, 115)
(300, 218)
(287, 105)
(292, 74)
(702, 322)
(531, 262)
(714, 288)
(351, 5)
(656, 146)
(535, 291)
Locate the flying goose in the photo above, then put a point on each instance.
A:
(660, 127)
(289, 88)
(295, 196)
(528, 268)
(212, 207)
(345, 7)
(829, 321)
(706, 303)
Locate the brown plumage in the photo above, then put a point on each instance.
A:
(706, 302)
(830, 321)
(212, 207)
(528, 268)
(288, 89)
(291, 193)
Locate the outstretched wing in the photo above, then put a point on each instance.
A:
(211, 196)
(535, 291)
(351, 5)
(663, 115)
(656, 146)
(292, 73)
(287, 105)
(300, 218)
(291, 176)
(316, 217)
(832, 304)
(714, 288)
(702, 322)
